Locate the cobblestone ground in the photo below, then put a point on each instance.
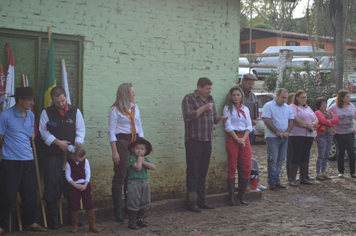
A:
(326, 208)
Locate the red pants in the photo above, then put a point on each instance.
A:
(234, 150)
(76, 194)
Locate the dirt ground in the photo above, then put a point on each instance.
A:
(326, 208)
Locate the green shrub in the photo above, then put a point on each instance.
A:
(270, 82)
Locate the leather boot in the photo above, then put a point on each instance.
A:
(74, 217)
(231, 188)
(132, 219)
(242, 190)
(303, 174)
(117, 200)
(80, 224)
(293, 174)
(53, 222)
(92, 221)
(140, 219)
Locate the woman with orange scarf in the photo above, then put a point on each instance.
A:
(124, 127)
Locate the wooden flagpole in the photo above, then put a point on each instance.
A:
(49, 35)
(37, 169)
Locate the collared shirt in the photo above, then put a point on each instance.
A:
(120, 123)
(17, 132)
(198, 128)
(86, 169)
(49, 138)
(235, 122)
(279, 115)
(250, 101)
(304, 113)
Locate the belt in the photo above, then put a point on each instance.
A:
(124, 136)
(239, 132)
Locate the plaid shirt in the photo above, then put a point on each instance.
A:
(198, 128)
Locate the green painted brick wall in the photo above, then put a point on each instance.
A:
(162, 47)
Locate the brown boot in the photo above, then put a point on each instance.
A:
(132, 220)
(91, 219)
(242, 190)
(74, 217)
(140, 219)
(303, 174)
(231, 188)
(293, 175)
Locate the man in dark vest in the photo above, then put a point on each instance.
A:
(60, 125)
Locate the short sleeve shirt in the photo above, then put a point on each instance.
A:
(133, 174)
(17, 132)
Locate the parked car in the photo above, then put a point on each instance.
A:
(263, 72)
(262, 99)
(242, 70)
(334, 146)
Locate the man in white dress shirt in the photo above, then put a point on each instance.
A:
(60, 125)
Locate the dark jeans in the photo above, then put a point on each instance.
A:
(346, 142)
(301, 149)
(53, 178)
(18, 176)
(289, 156)
(197, 158)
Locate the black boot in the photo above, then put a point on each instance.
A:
(303, 174)
(117, 200)
(132, 219)
(242, 190)
(231, 188)
(69, 222)
(293, 174)
(52, 215)
(140, 219)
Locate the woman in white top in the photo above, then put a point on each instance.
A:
(124, 127)
(238, 126)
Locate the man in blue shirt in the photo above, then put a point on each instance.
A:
(17, 166)
(278, 118)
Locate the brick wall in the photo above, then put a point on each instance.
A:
(162, 47)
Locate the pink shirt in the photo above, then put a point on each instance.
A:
(304, 113)
(346, 116)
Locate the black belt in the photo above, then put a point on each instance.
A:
(124, 136)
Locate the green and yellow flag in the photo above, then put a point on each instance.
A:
(48, 81)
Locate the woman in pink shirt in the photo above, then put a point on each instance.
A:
(324, 138)
(345, 131)
(305, 120)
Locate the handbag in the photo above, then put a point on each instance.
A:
(312, 134)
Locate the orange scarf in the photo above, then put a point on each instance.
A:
(131, 116)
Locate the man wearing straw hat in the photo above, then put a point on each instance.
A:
(60, 125)
(17, 167)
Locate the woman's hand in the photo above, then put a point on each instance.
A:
(116, 158)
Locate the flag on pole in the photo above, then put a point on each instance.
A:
(10, 82)
(65, 80)
(2, 84)
(48, 81)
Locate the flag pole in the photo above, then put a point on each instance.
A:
(37, 169)
(49, 35)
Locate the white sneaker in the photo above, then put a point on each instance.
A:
(341, 175)
(261, 187)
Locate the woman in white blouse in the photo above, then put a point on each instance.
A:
(124, 127)
(238, 126)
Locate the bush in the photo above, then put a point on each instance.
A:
(270, 82)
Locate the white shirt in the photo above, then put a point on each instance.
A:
(120, 123)
(235, 122)
(48, 138)
(87, 172)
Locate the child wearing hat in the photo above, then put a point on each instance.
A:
(138, 188)
(78, 176)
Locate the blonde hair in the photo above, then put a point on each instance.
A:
(79, 150)
(122, 103)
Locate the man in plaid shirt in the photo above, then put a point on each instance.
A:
(199, 116)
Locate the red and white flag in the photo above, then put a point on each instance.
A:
(2, 84)
(10, 81)
(65, 81)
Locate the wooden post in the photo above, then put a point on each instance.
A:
(49, 36)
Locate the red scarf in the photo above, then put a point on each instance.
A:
(131, 116)
(240, 110)
(64, 111)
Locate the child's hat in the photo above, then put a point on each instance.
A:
(141, 141)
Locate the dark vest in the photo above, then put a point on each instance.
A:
(65, 129)
(77, 171)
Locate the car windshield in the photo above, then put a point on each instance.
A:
(263, 99)
(301, 63)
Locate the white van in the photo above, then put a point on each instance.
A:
(263, 72)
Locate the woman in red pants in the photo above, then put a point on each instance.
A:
(238, 127)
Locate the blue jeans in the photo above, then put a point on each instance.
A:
(276, 153)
